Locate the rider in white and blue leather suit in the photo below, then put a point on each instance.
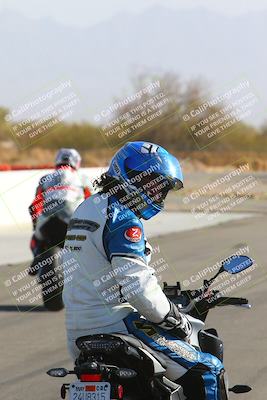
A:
(111, 287)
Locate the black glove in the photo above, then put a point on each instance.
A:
(176, 323)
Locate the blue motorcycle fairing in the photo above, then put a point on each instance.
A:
(179, 351)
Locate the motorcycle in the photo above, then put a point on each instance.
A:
(116, 366)
(47, 264)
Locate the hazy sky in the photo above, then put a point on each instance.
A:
(90, 12)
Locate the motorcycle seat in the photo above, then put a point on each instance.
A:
(158, 361)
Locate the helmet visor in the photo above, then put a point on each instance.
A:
(176, 185)
(154, 185)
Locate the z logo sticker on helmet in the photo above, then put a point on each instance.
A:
(149, 148)
(133, 234)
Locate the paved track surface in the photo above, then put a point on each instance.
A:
(32, 342)
(18, 238)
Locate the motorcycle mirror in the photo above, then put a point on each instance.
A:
(236, 264)
(240, 389)
(57, 372)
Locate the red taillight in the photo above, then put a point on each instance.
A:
(91, 377)
(33, 243)
(120, 392)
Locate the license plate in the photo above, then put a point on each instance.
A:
(89, 391)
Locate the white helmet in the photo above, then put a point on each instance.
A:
(68, 157)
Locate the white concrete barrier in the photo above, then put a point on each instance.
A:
(17, 190)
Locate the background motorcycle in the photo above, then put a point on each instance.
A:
(48, 265)
(117, 367)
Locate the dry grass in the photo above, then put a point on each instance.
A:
(37, 156)
(197, 160)
(223, 160)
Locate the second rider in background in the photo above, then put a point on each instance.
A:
(58, 194)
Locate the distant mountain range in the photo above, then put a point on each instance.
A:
(101, 60)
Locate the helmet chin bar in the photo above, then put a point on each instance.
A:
(153, 202)
(149, 208)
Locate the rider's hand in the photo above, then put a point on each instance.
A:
(176, 323)
(184, 329)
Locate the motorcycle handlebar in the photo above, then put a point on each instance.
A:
(197, 302)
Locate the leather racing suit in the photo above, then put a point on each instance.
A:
(109, 285)
(58, 194)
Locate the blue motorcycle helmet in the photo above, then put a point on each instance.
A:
(147, 172)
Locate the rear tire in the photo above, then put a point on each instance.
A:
(52, 280)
